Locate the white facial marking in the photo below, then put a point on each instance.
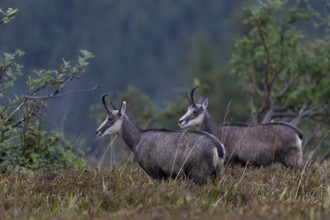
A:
(196, 121)
(184, 121)
(113, 129)
(99, 128)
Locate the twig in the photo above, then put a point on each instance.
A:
(55, 95)
(15, 110)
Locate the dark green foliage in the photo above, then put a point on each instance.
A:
(142, 43)
(25, 144)
(282, 67)
(44, 150)
(226, 99)
(146, 45)
(280, 72)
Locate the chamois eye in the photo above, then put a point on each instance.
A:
(195, 111)
(110, 119)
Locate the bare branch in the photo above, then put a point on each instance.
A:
(305, 113)
(277, 112)
(276, 74)
(255, 85)
(52, 95)
(283, 92)
(14, 111)
(268, 116)
(62, 83)
(56, 94)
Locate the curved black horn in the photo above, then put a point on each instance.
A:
(105, 104)
(192, 95)
(187, 95)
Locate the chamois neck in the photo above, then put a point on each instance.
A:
(208, 124)
(130, 133)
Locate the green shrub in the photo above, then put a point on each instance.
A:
(25, 144)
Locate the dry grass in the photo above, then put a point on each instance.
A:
(242, 193)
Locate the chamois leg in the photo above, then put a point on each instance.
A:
(216, 173)
(293, 159)
(199, 180)
(198, 175)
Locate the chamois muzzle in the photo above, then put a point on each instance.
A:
(182, 123)
(98, 133)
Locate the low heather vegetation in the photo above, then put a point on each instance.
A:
(126, 192)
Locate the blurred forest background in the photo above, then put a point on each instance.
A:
(147, 52)
(148, 45)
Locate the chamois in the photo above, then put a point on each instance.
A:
(259, 145)
(165, 153)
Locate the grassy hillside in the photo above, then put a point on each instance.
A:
(125, 192)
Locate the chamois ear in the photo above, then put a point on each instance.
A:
(113, 106)
(122, 108)
(200, 100)
(205, 103)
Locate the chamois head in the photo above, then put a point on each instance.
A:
(113, 122)
(195, 112)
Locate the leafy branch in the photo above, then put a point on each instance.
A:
(23, 142)
(7, 15)
(54, 79)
